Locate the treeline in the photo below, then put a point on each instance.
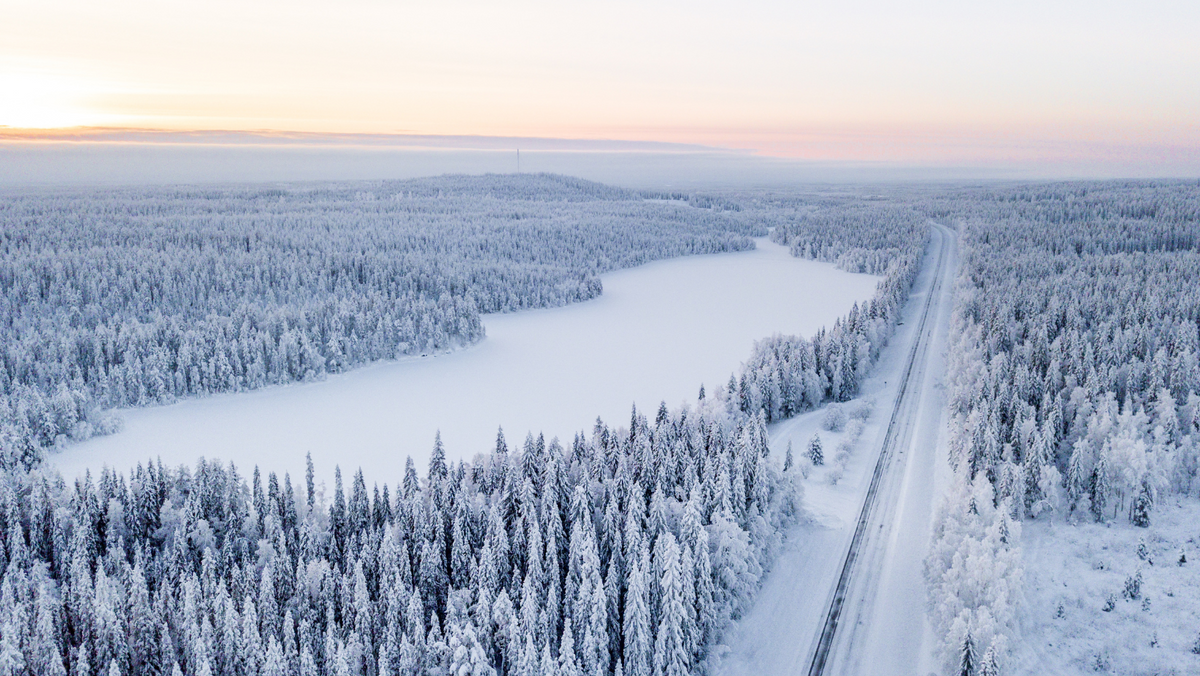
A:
(626, 553)
(133, 297)
(873, 236)
(1074, 372)
(786, 375)
(697, 200)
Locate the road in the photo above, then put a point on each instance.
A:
(847, 597)
(889, 528)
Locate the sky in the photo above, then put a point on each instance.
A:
(1110, 86)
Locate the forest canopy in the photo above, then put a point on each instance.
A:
(144, 295)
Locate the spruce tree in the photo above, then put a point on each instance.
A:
(337, 519)
(671, 656)
(989, 666)
(437, 459)
(309, 486)
(1139, 513)
(411, 484)
(966, 657)
(638, 660)
(814, 450)
(568, 664)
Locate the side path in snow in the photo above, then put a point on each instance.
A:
(880, 627)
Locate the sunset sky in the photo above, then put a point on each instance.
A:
(928, 82)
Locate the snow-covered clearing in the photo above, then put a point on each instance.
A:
(656, 333)
(883, 628)
(1072, 570)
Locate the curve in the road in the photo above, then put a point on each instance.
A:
(833, 614)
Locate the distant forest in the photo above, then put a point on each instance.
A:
(132, 297)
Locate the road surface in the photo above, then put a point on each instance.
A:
(847, 596)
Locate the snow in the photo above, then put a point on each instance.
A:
(883, 628)
(776, 636)
(656, 333)
(1076, 567)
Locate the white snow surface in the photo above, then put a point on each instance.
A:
(1077, 567)
(883, 627)
(656, 334)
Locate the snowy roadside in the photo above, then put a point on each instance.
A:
(777, 635)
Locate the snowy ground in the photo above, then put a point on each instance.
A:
(656, 333)
(884, 626)
(776, 636)
(1070, 572)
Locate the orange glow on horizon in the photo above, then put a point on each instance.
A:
(831, 81)
(40, 100)
(911, 145)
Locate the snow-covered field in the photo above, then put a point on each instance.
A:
(657, 333)
(1072, 570)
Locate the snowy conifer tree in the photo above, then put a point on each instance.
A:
(815, 453)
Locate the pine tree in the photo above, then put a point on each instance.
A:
(1143, 504)
(638, 653)
(568, 664)
(309, 487)
(814, 450)
(787, 459)
(989, 666)
(966, 659)
(437, 459)
(671, 656)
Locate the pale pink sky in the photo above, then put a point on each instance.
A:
(923, 82)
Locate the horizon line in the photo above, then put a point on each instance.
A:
(395, 139)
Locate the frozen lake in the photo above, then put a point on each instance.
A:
(657, 332)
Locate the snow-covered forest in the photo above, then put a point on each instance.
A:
(141, 296)
(789, 374)
(628, 551)
(1074, 399)
(1075, 383)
